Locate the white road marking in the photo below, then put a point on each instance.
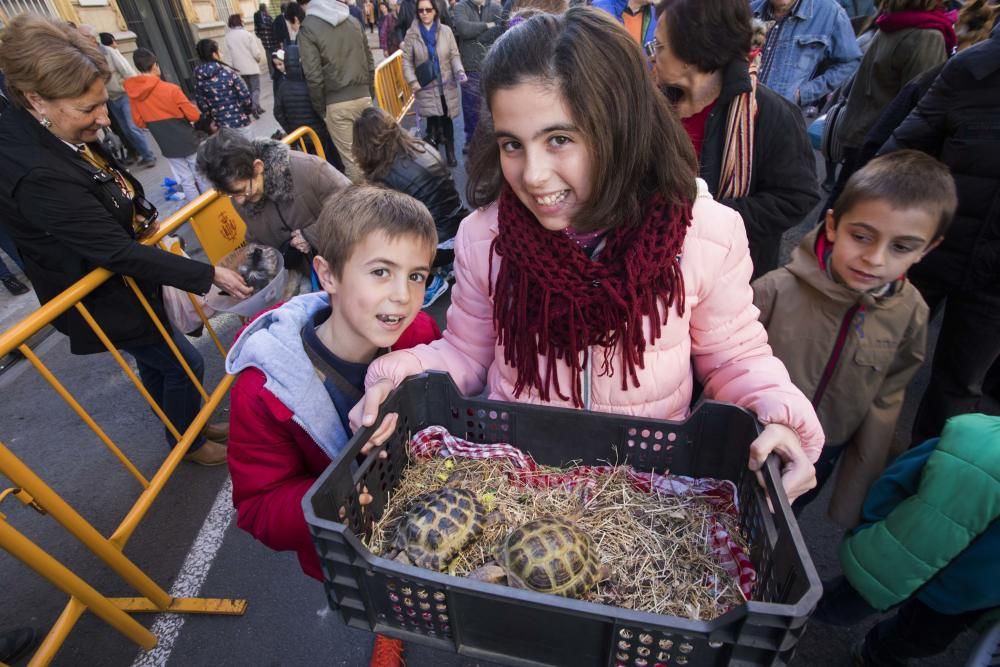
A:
(167, 627)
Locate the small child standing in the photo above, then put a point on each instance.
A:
(162, 107)
(849, 326)
(302, 365)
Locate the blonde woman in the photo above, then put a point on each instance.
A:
(430, 49)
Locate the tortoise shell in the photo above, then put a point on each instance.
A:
(438, 525)
(550, 555)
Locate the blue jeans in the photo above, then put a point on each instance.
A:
(123, 114)
(169, 385)
(7, 245)
(471, 100)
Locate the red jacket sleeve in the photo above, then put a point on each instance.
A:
(269, 470)
(423, 330)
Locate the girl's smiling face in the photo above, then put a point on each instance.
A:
(543, 155)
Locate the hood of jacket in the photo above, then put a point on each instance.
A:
(293, 64)
(811, 269)
(206, 70)
(273, 344)
(331, 11)
(141, 87)
(278, 184)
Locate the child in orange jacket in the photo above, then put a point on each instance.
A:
(162, 108)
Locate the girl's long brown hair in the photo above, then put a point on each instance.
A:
(638, 146)
(379, 141)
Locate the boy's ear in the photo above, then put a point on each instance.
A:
(324, 274)
(830, 225)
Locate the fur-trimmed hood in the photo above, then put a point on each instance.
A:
(278, 184)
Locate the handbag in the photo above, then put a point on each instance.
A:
(180, 309)
(425, 72)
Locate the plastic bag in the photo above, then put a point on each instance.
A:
(180, 311)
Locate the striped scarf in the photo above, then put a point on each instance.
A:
(737, 153)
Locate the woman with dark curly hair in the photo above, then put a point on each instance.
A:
(752, 144)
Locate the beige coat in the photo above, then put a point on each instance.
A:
(803, 310)
(243, 51)
(415, 52)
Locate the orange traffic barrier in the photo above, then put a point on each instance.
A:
(393, 94)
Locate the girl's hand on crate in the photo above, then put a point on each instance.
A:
(365, 413)
(797, 474)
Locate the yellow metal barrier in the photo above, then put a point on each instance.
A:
(202, 213)
(392, 93)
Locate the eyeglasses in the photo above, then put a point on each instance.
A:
(244, 195)
(652, 47)
(425, 10)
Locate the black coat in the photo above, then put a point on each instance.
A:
(280, 31)
(67, 220)
(783, 187)
(426, 178)
(293, 107)
(958, 122)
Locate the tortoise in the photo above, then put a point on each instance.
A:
(548, 555)
(437, 526)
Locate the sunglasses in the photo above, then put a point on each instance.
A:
(652, 47)
(425, 10)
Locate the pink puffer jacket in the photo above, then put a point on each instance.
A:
(718, 339)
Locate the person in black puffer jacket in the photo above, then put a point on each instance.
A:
(293, 108)
(956, 122)
(388, 155)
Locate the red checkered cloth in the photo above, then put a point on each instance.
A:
(721, 494)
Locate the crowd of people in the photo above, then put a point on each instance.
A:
(632, 168)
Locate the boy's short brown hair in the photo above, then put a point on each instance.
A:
(906, 179)
(359, 211)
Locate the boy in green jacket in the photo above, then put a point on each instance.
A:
(848, 325)
(925, 546)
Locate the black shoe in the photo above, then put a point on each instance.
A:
(15, 286)
(146, 163)
(14, 644)
(465, 148)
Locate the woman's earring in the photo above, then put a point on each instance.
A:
(46, 123)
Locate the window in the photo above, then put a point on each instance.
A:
(224, 8)
(11, 8)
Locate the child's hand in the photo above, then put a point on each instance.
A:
(366, 412)
(797, 474)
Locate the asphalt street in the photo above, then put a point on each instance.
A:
(287, 620)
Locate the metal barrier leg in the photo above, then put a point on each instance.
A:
(41, 562)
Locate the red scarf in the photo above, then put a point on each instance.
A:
(937, 19)
(552, 299)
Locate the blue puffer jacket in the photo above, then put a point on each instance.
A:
(617, 7)
(931, 524)
(220, 92)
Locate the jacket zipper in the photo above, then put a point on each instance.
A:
(586, 378)
(838, 348)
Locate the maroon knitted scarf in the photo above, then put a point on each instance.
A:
(551, 299)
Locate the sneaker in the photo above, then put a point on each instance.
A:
(387, 652)
(209, 454)
(14, 286)
(219, 431)
(146, 163)
(435, 288)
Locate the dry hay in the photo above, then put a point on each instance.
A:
(655, 544)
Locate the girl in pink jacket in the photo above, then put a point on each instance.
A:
(597, 273)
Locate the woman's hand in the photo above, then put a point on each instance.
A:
(366, 412)
(299, 242)
(797, 474)
(231, 283)
(463, 77)
(414, 86)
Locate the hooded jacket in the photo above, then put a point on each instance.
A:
(474, 38)
(284, 427)
(296, 185)
(121, 70)
(222, 94)
(932, 524)
(717, 340)
(336, 60)
(864, 350)
(165, 110)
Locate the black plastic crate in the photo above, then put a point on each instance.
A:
(520, 627)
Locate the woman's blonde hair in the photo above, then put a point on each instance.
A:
(50, 58)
